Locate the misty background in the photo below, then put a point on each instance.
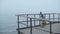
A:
(9, 8)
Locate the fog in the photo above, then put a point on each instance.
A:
(9, 8)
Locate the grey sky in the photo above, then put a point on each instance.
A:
(23, 6)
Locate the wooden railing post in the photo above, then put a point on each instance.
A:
(18, 24)
(34, 19)
(30, 25)
(50, 27)
(27, 20)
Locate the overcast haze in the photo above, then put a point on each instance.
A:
(9, 8)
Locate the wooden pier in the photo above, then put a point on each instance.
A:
(42, 18)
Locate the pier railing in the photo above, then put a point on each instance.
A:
(31, 20)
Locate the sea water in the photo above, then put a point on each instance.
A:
(12, 29)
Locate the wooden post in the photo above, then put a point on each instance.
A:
(53, 17)
(30, 25)
(18, 25)
(39, 20)
(27, 20)
(34, 19)
(50, 27)
(58, 17)
(49, 17)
